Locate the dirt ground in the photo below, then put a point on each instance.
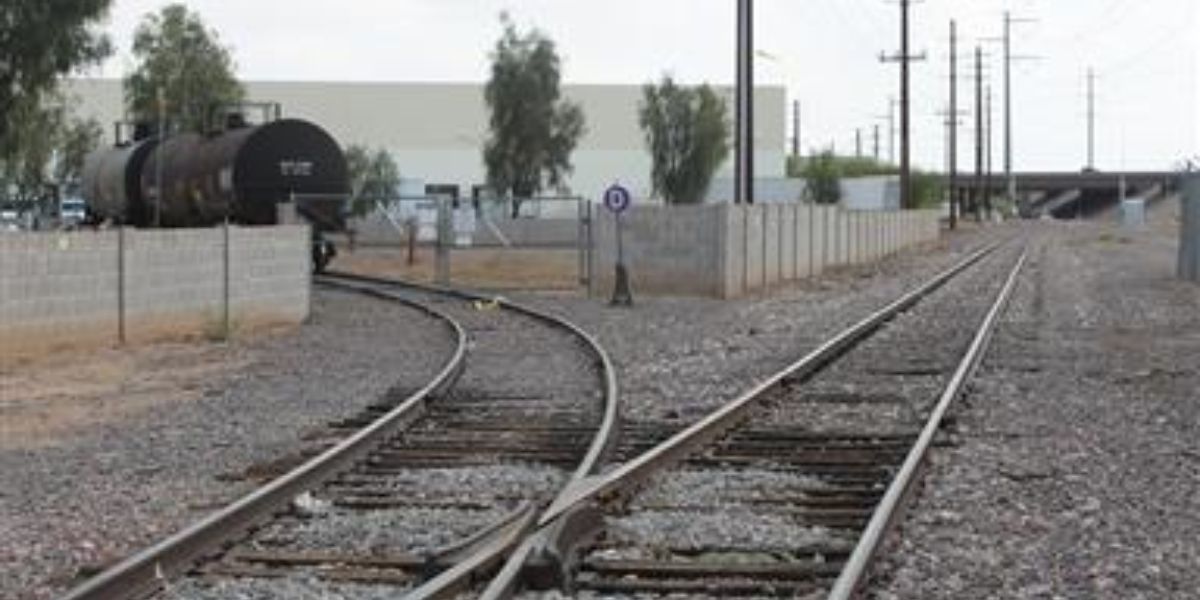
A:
(493, 268)
(42, 400)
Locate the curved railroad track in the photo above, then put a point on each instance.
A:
(425, 491)
(789, 489)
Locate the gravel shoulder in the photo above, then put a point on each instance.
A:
(1075, 470)
(159, 436)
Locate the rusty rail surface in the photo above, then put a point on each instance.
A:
(145, 572)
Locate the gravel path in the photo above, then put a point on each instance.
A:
(66, 509)
(1076, 472)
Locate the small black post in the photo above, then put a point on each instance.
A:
(622, 294)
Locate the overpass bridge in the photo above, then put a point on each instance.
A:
(1068, 194)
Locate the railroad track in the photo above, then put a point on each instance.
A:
(424, 491)
(789, 489)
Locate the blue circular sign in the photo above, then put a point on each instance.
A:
(617, 198)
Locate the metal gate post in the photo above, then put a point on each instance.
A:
(444, 233)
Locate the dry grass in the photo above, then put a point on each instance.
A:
(492, 268)
(46, 399)
(54, 383)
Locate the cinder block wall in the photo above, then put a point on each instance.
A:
(727, 251)
(68, 289)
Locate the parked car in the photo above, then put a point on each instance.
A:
(72, 212)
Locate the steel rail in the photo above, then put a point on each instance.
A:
(145, 572)
(680, 445)
(854, 573)
(602, 445)
(572, 516)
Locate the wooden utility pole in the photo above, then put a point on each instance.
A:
(744, 148)
(904, 58)
(952, 123)
(978, 195)
(987, 150)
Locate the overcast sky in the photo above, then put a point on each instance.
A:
(1145, 53)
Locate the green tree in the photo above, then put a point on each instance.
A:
(74, 142)
(374, 178)
(533, 130)
(40, 41)
(928, 187)
(823, 175)
(176, 52)
(44, 151)
(687, 132)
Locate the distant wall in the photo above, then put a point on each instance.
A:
(376, 230)
(727, 251)
(67, 289)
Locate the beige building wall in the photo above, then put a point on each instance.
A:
(435, 130)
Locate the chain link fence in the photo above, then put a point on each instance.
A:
(534, 243)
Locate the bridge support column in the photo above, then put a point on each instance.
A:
(1189, 235)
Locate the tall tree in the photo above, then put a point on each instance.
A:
(687, 132)
(176, 52)
(533, 130)
(44, 150)
(374, 178)
(40, 41)
(76, 140)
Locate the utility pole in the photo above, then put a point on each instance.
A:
(987, 136)
(952, 123)
(891, 117)
(744, 151)
(796, 129)
(1091, 131)
(904, 58)
(876, 143)
(858, 142)
(1011, 193)
(978, 196)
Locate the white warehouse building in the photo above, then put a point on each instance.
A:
(435, 131)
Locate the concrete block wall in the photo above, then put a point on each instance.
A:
(671, 251)
(727, 251)
(67, 289)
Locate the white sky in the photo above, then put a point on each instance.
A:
(1146, 54)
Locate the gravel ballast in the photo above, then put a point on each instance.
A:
(102, 492)
(678, 358)
(1076, 470)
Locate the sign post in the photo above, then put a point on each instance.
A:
(617, 199)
